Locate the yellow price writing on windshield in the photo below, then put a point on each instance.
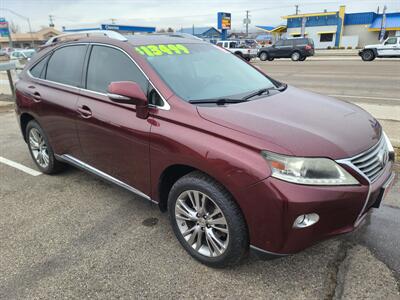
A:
(158, 50)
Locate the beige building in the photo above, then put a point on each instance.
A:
(29, 40)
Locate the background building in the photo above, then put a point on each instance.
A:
(338, 29)
(205, 33)
(30, 39)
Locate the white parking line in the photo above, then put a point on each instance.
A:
(19, 166)
(365, 97)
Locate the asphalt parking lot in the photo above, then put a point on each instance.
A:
(75, 236)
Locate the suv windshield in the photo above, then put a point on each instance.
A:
(203, 71)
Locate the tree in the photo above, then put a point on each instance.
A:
(162, 30)
(170, 29)
(14, 28)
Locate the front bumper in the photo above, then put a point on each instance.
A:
(272, 206)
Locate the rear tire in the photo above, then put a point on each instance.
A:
(263, 56)
(206, 221)
(41, 150)
(295, 56)
(368, 55)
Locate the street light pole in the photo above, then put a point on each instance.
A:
(26, 19)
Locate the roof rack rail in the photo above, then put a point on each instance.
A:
(80, 34)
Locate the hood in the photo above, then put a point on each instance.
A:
(303, 123)
(373, 46)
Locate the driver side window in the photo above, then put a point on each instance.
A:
(107, 65)
(391, 41)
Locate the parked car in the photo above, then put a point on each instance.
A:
(298, 49)
(22, 54)
(389, 48)
(239, 160)
(238, 49)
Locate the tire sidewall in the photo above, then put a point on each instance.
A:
(220, 198)
(33, 124)
(293, 57)
(368, 55)
(263, 54)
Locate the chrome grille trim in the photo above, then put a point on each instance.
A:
(371, 162)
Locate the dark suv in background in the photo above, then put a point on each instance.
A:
(296, 49)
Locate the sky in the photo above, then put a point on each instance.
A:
(175, 14)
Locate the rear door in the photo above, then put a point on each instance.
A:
(55, 85)
(113, 139)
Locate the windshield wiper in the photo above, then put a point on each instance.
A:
(264, 90)
(218, 101)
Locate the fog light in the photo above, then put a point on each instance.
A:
(306, 220)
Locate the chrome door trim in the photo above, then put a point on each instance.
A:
(86, 167)
(165, 105)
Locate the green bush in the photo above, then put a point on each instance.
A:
(349, 47)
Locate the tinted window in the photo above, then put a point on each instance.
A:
(204, 71)
(38, 70)
(279, 43)
(391, 41)
(326, 37)
(287, 43)
(107, 65)
(65, 65)
(301, 41)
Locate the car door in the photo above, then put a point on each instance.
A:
(113, 139)
(287, 48)
(54, 87)
(276, 49)
(389, 47)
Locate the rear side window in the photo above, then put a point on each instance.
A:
(65, 65)
(301, 42)
(287, 43)
(107, 65)
(38, 70)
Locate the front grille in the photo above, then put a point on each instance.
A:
(372, 161)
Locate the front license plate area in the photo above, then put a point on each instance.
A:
(384, 191)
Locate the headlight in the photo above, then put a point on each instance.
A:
(310, 171)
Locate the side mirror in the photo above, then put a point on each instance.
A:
(127, 92)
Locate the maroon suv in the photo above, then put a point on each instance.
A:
(238, 159)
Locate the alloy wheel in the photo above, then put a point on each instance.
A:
(296, 56)
(202, 223)
(39, 148)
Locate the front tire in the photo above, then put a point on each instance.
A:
(295, 56)
(263, 56)
(303, 58)
(41, 150)
(367, 55)
(206, 221)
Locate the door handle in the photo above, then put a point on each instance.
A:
(36, 97)
(84, 111)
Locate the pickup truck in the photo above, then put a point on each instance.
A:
(239, 49)
(389, 48)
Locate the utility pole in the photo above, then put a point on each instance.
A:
(113, 21)
(297, 9)
(246, 22)
(51, 21)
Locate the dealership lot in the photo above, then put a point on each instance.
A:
(74, 236)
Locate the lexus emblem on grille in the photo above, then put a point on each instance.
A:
(382, 157)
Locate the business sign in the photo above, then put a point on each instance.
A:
(127, 28)
(224, 20)
(4, 30)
